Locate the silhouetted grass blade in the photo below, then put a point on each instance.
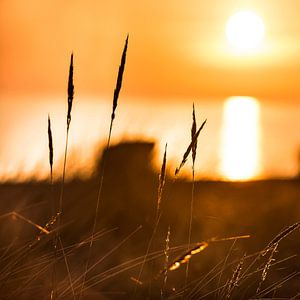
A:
(50, 141)
(189, 148)
(70, 91)
(119, 79)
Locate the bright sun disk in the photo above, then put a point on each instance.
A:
(245, 31)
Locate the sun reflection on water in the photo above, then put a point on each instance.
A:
(240, 150)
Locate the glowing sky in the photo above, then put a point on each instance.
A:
(178, 53)
(177, 49)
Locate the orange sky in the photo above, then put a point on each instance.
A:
(178, 54)
(177, 48)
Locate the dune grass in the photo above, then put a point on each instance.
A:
(113, 114)
(25, 268)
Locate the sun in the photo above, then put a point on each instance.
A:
(245, 31)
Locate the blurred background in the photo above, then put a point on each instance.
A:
(178, 54)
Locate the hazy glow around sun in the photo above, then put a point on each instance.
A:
(245, 31)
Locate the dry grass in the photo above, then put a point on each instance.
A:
(162, 179)
(26, 267)
(16, 215)
(193, 132)
(70, 92)
(115, 104)
(50, 143)
(236, 276)
(189, 148)
(280, 236)
(266, 268)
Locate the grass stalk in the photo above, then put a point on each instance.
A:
(50, 144)
(60, 209)
(162, 178)
(166, 253)
(113, 114)
(194, 154)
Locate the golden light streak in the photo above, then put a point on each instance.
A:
(240, 151)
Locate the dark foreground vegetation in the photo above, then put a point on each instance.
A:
(124, 264)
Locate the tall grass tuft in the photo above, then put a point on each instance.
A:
(53, 219)
(60, 209)
(70, 103)
(113, 114)
(194, 153)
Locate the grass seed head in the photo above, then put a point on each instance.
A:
(189, 148)
(50, 142)
(162, 178)
(193, 132)
(119, 79)
(70, 91)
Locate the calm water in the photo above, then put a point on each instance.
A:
(271, 142)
